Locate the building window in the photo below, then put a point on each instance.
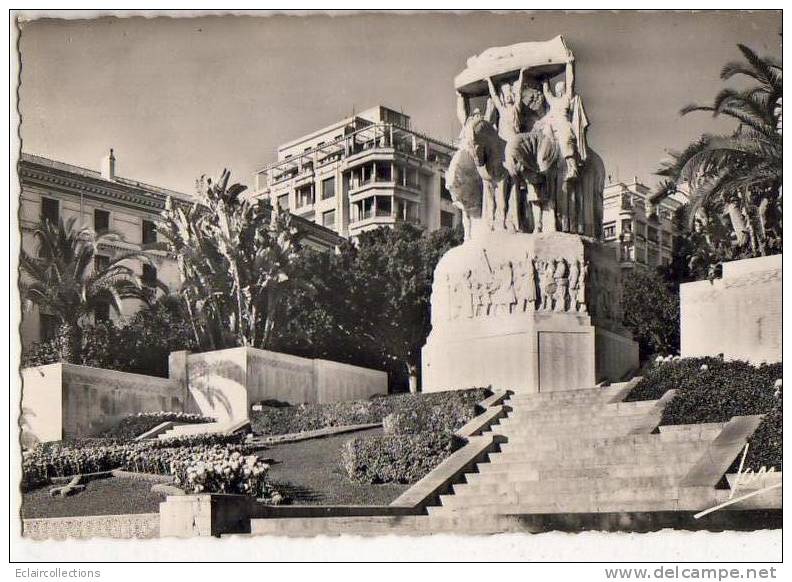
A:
(149, 235)
(101, 220)
(149, 277)
(48, 326)
(445, 194)
(609, 230)
(651, 234)
(328, 188)
(384, 206)
(652, 257)
(446, 219)
(50, 210)
(305, 196)
(283, 201)
(627, 225)
(328, 219)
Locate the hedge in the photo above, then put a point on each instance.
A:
(275, 420)
(135, 425)
(396, 458)
(446, 416)
(713, 390)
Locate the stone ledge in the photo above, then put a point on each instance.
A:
(133, 525)
(720, 454)
(313, 434)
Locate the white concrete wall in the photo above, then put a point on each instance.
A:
(41, 417)
(336, 381)
(66, 400)
(225, 383)
(738, 315)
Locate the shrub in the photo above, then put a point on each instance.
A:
(395, 458)
(765, 445)
(710, 389)
(447, 416)
(713, 390)
(135, 425)
(651, 311)
(305, 417)
(140, 346)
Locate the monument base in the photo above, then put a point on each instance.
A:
(528, 313)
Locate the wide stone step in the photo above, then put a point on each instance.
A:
(583, 431)
(498, 463)
(674, 499)
(592, 446)
(556, 485)
(515, 473)
(563, 441)
(594, 497)
(682, 432)
(615, 454)
(581, 412)
(193, 429)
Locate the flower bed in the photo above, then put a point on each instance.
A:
(714, 390)
(43, 462)
(293, 419)
(135, 425)
(396, 458)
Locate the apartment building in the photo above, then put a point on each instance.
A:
(104, 201)
(642, 232)
(368, 170)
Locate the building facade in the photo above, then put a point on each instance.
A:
(362, 172)
(642, 232)
(104, 201)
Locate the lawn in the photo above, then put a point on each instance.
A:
(111, 496)
(308, 473)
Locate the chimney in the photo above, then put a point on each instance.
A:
(108, 166)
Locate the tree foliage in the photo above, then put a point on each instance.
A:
(64, 279)
(650, 302)
(371, 304)
(734, 180)
(236, 258)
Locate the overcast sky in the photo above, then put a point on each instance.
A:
(177, 98)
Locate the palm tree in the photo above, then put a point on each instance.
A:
(237, 260)
(739, 174)
(69, 282)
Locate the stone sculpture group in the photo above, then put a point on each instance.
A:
(523, 164)
(529, 284)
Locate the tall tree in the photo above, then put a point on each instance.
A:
(738, 175)
(236, 258)
(371, 304)
(67, 281)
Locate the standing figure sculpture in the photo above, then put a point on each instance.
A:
(547, 282)
(525, 285)
(574, 283)
(561, 285)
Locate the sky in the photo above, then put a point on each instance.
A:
(180, 97)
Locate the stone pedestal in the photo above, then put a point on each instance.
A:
(527, 312)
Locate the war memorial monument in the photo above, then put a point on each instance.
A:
(531, 300)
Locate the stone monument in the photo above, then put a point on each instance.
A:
(531, 301)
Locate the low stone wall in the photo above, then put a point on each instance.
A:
(126, 526)
(66, 400)
(226, 383)
(738, 315)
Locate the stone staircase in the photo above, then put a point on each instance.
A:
(582, 451)
(568, 460)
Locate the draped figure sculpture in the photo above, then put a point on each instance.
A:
(524, 165)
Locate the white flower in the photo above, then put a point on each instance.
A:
(704, 367)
